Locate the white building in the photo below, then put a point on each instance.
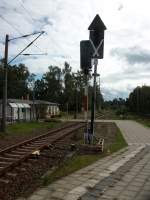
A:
(26, 110)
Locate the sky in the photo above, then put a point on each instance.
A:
(126, 61)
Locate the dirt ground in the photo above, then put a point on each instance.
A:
(107, 131)
(104, 130)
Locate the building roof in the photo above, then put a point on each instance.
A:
(44, 102)
(37, 102)
(19, 105)
(19, 101)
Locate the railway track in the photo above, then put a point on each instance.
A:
(15, 155)
(99, 116)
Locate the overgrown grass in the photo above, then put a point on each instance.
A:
(24, 128)
(79, 161)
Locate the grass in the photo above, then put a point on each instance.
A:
(27, 128)
(110, 114)
(144, 121)
(79, 161)
(75, 163)
(119, 144)
(140, 119)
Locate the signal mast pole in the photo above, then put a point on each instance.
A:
(4, 107)
(93, 98)
(86, 108)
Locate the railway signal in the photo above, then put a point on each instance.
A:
(85, 64)
(96, 29)
(86, 52)
(92, 49)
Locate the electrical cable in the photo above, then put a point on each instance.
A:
(33, 20)
(25, 48)
(18, 31)
(27, 12)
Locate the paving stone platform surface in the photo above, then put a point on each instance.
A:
(125, 175)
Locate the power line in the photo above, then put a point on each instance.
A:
(24, 36)
(17, 30)
(24, 9)
(27, 12)
(26, 47)
(32, 19)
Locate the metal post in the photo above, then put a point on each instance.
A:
(100, 103)
(137, 100)
(4, 106)
(86, 109)
(93, 98)
(76, 104)
(33, 99)
(67, 109)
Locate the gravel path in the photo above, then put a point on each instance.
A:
(125, 175)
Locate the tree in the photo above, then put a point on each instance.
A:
(139, 100)
(56, 85)
(79, 83)
(50, 87)
(17, 81)
(69, 86)
(99, 98)
(40, 89)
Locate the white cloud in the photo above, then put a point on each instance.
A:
(66, 23)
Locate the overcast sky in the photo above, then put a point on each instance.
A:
(126, 62)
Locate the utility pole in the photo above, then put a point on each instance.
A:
(4, 105)
(5, 68)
